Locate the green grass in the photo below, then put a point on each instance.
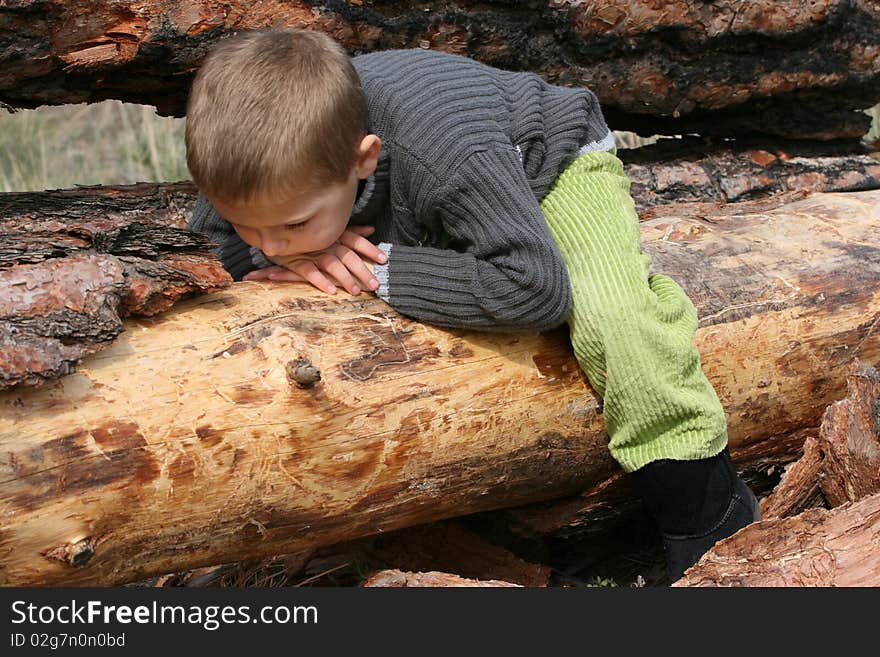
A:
(874, 132)
(105, 143)
(115, 143)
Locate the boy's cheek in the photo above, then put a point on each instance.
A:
(245, 235)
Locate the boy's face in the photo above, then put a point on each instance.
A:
(309, 222)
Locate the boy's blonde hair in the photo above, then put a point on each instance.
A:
(273, 113)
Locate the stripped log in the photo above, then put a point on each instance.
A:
(185, 444)
(818, 547)
(795, 68)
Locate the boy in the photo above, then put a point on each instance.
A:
(497, 203)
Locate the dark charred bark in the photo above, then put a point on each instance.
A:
(676, 171)
(795, 68)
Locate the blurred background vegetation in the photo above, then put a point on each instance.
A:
(113, 143)
(105, 143)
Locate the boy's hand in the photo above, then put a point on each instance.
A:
(348, 261)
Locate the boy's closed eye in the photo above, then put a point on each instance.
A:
(296, 226)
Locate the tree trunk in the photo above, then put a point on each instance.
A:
(680, 171)
(74, 262)
(196, 439)
(795, 69)
(815, 548)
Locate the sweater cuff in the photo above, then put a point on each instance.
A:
(381, 273)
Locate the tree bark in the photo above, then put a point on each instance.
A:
(681, 171)
(842, 463)
(850, 440)
(433, 579)
(74, 262)
(798, 490)
(192, 443)
(815, 548)
(795, 68)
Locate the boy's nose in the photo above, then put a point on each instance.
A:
(272, 246)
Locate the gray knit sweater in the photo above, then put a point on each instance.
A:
(468, 152)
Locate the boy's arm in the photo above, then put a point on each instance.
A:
(506, 272)
(237, 257)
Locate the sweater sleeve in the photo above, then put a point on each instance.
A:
(238, 258)
(505, 273)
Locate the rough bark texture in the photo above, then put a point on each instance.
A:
(187, 445)
(840, 547)
(676, 171)
(798, 489)
(400, 579)
(842, 464)
(850, 439)
(74, 262)
(797, 68)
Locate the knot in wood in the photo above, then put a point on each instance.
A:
(81, 553)
(302, 372)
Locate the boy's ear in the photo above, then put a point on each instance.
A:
(368, 155)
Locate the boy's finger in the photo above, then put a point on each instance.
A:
(362, 230)
(280, 274)
(358, 267)
(310, 272)
(258, 274)
(334, 266)
(364, 247)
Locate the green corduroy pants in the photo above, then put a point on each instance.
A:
(632, 331)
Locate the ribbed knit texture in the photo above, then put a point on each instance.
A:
(468, 152)
(632, 331)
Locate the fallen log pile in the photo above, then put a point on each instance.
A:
(188, 437)
(820, 524)
(189, 441)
